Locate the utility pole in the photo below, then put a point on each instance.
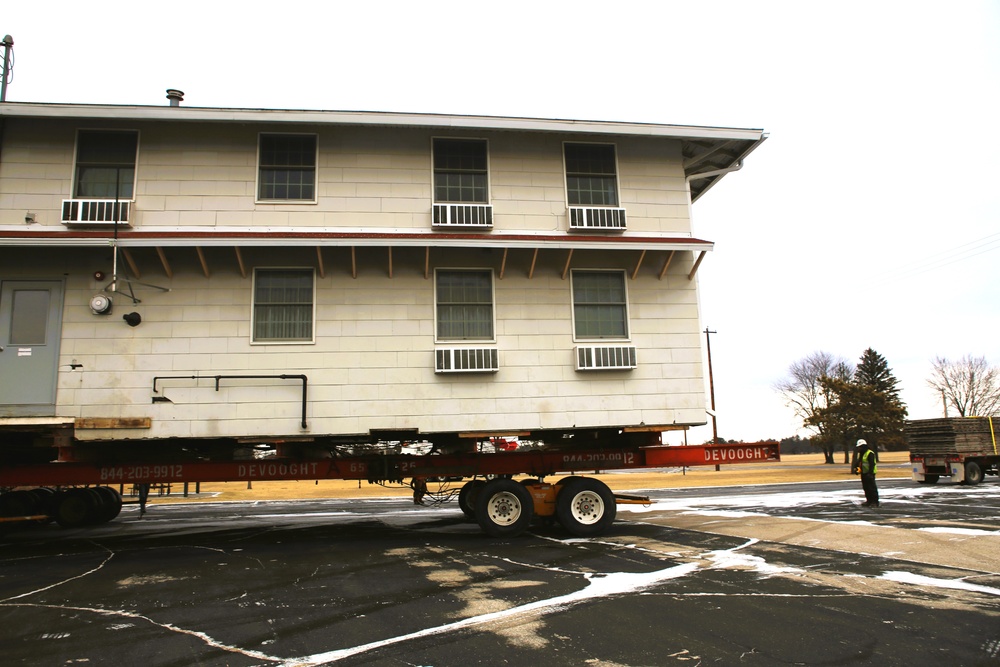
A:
(711, 388)
(8, 44)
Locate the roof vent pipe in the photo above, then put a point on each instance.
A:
(175, 97)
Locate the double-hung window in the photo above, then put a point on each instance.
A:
(464, 304)
(287, 168)
(105, 164)
(460, 171)
(283, 305)
(591, 175)
(600, 308)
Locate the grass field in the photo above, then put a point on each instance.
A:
(792, 468)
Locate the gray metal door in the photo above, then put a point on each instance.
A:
(30, 330)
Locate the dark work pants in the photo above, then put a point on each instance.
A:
(868, 484)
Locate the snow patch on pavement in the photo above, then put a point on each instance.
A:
(956, 584)
(757, 504)
(959, 531)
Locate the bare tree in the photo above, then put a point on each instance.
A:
(970, 385)
(805, 394)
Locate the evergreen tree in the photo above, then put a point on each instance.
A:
(873, 370)
(882, 412)
(867, 406)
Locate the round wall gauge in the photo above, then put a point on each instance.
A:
(100, 304)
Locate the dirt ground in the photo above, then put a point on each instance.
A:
(792, 468)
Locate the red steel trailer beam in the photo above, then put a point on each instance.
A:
(394, 467)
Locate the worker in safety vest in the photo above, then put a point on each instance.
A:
(866, 463)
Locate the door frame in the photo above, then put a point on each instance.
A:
(53, 331)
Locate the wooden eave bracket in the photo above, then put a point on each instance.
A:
(502, 270)
(666, 263)
(534, 260)
(697, 263)
(635, 272)
(319, 261)
(163, 260)
(204, 262)
(569, 258)
(239, 260)
(131, 263)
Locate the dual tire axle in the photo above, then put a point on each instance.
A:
(584, 506)
(70, 508)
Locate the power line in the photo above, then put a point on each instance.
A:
(942, 259)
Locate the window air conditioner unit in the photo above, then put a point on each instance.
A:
(596, 219)
(466, 360)
(463, 215)
(605, 357)
(95, 211)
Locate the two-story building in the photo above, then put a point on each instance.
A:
(237, 275)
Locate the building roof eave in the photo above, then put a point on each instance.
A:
(716, 150)
(284, 237)
(374, 118)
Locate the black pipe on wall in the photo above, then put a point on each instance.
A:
(219, 378)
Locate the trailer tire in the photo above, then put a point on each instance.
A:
(110, 504)
(973, 473)
(467, 497)
(930, 479)
(18, 503)
(45, 498)
(76, 507)
(585, 506)
(504, 508)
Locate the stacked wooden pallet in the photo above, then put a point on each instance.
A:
(961, 435)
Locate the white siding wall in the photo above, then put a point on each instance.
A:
(372, 363)
(191, 175)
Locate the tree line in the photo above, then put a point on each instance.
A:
(840, 402)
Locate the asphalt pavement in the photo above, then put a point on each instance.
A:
(782, 574)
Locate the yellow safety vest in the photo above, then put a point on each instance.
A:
(869, 462)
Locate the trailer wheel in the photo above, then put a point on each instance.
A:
(110, 504)
(973, 473)
(18, 503)
(467, 497)
(76, 507)
(930, 479)
(44, 497)
(585, 506)
(504, 508)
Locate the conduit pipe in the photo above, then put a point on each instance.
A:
(715, 172)
(218, 378)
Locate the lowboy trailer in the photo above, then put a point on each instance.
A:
(79, 493)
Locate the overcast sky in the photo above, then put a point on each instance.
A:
(870, 217)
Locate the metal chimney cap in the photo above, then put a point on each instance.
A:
(175, 96)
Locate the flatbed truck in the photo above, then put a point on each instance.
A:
(963, 449)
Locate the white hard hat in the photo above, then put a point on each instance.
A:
(862, 442)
